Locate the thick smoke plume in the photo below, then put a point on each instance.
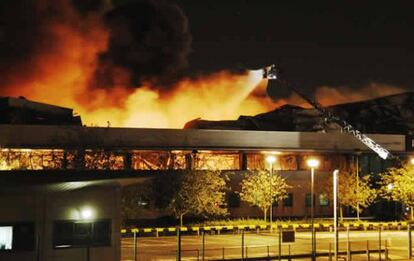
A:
(123, 65)
(148, 43)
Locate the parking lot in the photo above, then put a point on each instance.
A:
(264, 244)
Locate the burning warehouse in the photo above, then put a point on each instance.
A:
(122, 64)
(61, 182)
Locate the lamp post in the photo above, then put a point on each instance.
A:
(271, 160)
(357, 182)
(313, 163)
(86, 215)
(390, 187)
(335, 211)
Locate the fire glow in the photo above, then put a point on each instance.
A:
(61, 74)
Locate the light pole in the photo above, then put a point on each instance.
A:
(390, 187)
(313, 163)
(335, 210)
(86, 215)
(357, 182)
(271, 160)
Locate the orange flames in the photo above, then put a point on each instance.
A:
(60, 76)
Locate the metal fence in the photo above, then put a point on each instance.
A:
(376, 244)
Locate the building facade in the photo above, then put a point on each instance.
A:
(61, 185)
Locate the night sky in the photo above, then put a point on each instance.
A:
(315, 43)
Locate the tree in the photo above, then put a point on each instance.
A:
(200, 193)
(398, 184)
(262, 189)
(357, 195)
(135, 199)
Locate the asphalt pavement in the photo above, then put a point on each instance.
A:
(264, 244)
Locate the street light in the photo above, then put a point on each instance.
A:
(412, 160)
(271, 160)
(335, 209)
(313, 163)
(87, 214)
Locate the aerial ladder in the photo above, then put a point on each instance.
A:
(272, 74)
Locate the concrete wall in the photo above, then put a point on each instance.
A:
(43, 208)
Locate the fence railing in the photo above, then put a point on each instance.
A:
(165, 231)
(245, 246)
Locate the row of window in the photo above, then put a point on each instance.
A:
(233, 200)
(66, 234)
(39, 159)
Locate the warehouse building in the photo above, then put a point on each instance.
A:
(61, 184)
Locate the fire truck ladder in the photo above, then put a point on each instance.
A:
(272, 74)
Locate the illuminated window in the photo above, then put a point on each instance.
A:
(323, 200)
(218, 161)
(17, 237)
(6, 237)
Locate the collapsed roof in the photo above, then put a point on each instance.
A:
(388, 115)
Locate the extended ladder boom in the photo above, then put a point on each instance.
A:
(271, 74)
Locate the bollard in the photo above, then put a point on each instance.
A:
(222, 253)
(135, 246)
(247, 252)
(198, 254)
(368, 256)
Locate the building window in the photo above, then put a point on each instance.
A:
(323, 200)
(17, 237)
(288, 201)
(67, 234)
(308, 200)
(233, 200)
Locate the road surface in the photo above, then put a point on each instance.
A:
(263, 244)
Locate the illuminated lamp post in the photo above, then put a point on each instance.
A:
(335, 210)
(312, 164)
(271, 160)
(390, 187)
(86, 215)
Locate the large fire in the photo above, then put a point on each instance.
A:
(61, 74)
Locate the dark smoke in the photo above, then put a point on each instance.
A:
(25, 33)
(149, 40)
(20, 32)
